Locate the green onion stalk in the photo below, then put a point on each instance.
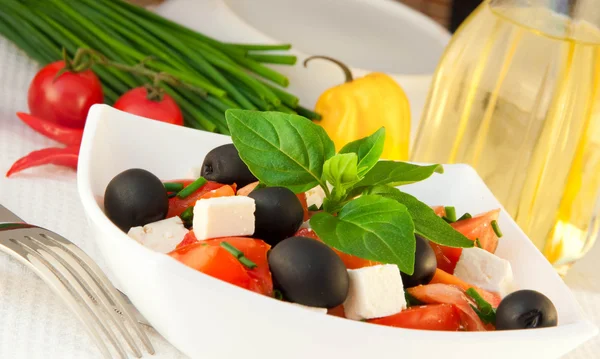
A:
(228, 75)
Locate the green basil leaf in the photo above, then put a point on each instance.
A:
(341, 169)
(368, 150)
(280, 149)
(427, 223)
(370, 227)
(397, 174)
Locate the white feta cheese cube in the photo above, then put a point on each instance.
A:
(315, 196)
(224, 217)
(313, 309)
(485, 270)
(374, 292)
(162, 236)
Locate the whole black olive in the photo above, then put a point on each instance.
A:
(308, 272)
(135, 197)
(224, 165)
(525, 309)
(278, 214)
(425, 264)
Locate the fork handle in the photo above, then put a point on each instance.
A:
(7, 216)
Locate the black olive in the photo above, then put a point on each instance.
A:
(525, 309)
(425, 264)
(308, 272)
(135, 197)
(224, 165)
(278, 214)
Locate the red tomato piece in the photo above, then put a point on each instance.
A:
(225, 191)
(337, 311)
(427, 317)
(204, 257)
(255, 250)
(302, 198)
(449, 294)
(214, 261)
(136, 101)
(351, 262)
(446, 278)
(178, 205)
(440, 211)
(478, 227)
(189, 238)
(65, 99)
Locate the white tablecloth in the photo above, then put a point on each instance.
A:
(36, 324)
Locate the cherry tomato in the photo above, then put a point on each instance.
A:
(178, 205)
(136, 102)
(478, 227)
(66, 99)
(210, 258)
(426, 317)
(351, 262)
(449, 294)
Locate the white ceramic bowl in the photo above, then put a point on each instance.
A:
(208, 318)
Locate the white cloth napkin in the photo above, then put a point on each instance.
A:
(36, 324)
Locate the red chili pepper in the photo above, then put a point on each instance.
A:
(67, 156)
(66, 135)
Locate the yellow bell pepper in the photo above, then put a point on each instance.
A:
(358, 108)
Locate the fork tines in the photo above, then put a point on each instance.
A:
(78, 280)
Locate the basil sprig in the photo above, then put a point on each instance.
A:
(291, 151)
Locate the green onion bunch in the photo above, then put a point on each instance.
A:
(227, 75)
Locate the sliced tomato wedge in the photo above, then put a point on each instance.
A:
(188, 239)
(224, 191)
(214, 261)
(446, 278)
(426, 317)
(207, 257)
(351, 262)
(449, 294)
(478, 227)
(178, 205)
(255, 250)
(337, 311)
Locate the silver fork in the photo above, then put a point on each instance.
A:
(77, 279)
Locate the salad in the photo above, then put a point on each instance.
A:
(281, 213)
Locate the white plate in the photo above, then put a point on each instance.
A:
(368, 35)
(208, 318)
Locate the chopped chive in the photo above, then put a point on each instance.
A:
(231, 249)
(450, 214)
(192, 187)
(313, 207)
(239, 255)
(171, 194)
(173, 186)
(484, 310)
(477, 243)
(447, 219)
(496, 228)
(465, 216)
(188, 214)
(277, 294)
(247, 262)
